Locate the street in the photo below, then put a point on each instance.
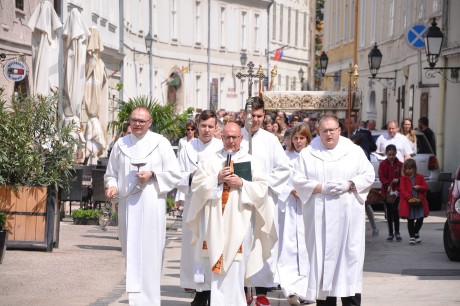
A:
(88, 269)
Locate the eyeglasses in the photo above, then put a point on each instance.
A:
(139, 121)
(332, 131)
(192, 129)
(226, 138)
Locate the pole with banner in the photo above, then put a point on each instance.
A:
(250, 75)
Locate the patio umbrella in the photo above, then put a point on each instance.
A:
(96, 97)
(75, 37)
(45, 24)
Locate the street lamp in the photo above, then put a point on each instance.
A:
(148, 42)
(243, 61)
(148, 46)
(323, 61)
(301, 74)
(433, 45)
(375, 59)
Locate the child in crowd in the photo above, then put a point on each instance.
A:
(413, 203)
(389, 174)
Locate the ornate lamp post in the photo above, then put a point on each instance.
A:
(323, 61)
(148, 46)
(353, 77)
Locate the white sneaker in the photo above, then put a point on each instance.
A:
(294, 300)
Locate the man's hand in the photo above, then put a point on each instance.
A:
(341, 186)
(111, 193)
(328, 187)
(223, 173)
(233, 181)
(144, 176)
(294, 194)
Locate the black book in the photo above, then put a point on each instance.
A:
(243, 170)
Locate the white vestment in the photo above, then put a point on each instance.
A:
(292, 262)
(225, 232)
(334, 224)
(142, 214)
(189, 156)
(400, 141)
(266, 149)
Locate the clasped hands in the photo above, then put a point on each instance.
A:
(336, 187)
(231, 179)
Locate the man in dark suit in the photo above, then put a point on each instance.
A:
(367, 143)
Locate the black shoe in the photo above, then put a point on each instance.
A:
(390, 238)
(201, 298)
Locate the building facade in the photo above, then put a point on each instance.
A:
(402, 88)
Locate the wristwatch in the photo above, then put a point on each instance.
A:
(352, 186)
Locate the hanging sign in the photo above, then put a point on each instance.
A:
(15, 70)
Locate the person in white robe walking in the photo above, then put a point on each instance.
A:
(142, 169)
(332, 179)
(292, 263)
(267, 149)
(227, 213)
(196, 150)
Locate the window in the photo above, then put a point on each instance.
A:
(287, 82)
(281, 22)
(373, 20)
(346, 20)
(289, 26)
(274, 22)
(174, 20)
(296, 31)
(305, 28)
(20, 4)
(391, 18)
(421, 9)
(243, 30)
(198, 22)
(362, 24)
(352, 20)
(223, 36)
(256, 32)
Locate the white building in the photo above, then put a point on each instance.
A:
(404, 88)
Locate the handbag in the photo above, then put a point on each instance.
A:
(415, 202)
(374, 197)
(391, 196)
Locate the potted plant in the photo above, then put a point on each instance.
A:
(86, 216)
(36, 158)
(3, 235)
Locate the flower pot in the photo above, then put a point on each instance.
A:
(3, 240)
(32, 217)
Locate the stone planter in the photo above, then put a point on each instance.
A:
(3, 240)
(84, 221)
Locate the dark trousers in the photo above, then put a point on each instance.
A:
(392, 216)
(346, 301)
(414, 226)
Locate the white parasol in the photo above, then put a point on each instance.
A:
(45, 24)
(75, 37)
(96, 98)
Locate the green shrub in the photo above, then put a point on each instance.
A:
(2, 221)
(86, 213)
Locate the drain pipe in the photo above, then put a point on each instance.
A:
(268, 42)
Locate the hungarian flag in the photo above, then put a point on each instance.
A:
(278, 54)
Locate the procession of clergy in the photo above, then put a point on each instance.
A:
(251, 222)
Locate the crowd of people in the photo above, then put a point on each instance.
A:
(291, 213)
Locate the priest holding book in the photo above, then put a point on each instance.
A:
(228, 206)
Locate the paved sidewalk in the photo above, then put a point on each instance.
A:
(88, 269)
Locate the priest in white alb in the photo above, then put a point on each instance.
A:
(332, 179)
(142, 169)
(226, 209)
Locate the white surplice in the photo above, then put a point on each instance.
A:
(193, 152)
(334, 225)
(292, 258)
(267, 150)
(142, 214)
(246, 210)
